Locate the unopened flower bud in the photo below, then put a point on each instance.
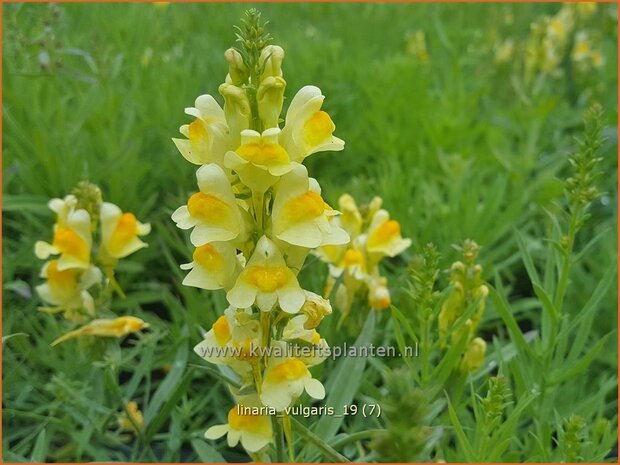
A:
(236, 110)
(474, 356)
(351, 219)
(378, 294)
(271, 61)
(270, 99)
(236, 68)
(315, 308)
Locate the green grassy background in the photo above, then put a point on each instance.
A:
(454, 147)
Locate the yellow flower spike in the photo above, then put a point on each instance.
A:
(384, 236)
(597, 59)
(214, 266)
(286, 378)
(254, 431)
(72, 239)
(260, 159)
(120, 231)
(68, 288)
(267, 281)
(117, 327)
(582, 49)
(308, 129)
(207, 136)
(474, 356)
(213, 212)
(300, 216)
(136, 423)
(237, 111)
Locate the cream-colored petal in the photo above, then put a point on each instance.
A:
(314, 388)
(216, 431)
(132, 246)
(233, 437)
(281, 395)
(241, 295)
(204, 234)
(301, 98)
(209, 108)
(46, 294)
(291, 298)
(266, 301)
(90, 277)
(109, 215)
(143, 228)
(185, 148)
(200, 278)
(66, 262)
(43, 250)
(253, 442)
(183, 219)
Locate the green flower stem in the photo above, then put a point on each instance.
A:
(279, 438)
(288, 433)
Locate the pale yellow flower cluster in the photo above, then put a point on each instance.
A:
(416, 45)
(254, 218)
(562, 35)
(71, 270)
(374, 236)
(468, 289)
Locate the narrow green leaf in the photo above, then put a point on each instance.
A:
(460, 433)
(206, 453)
(346, 379)
(39, 451)
(328, 451)
(170, 383)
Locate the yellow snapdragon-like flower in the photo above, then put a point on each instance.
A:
(300, 215)
(213, 211)
(286, 378)
(378, 293)
(214, 266)
(260, 159)
(120, 231)
(207, 136)
(267, 280)
(374, 236)
(254, 431)
(136, 423)
(105, 327)
(230, 340)
(384, 236)
(315, 308)
(317, 349)
(72, 237)
(68, 289)
(308, 129)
